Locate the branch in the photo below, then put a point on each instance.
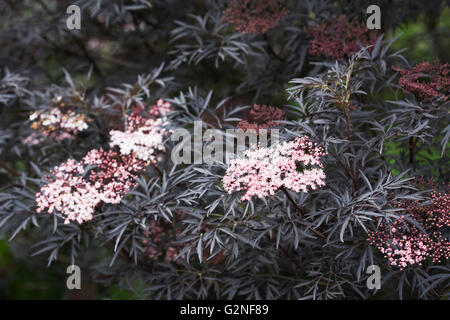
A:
(301, 212)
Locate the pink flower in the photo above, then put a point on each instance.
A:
(254, 16)
(33, 139)
(261, 117)
(161, 109)
(340, 38)
(292, 165)
(145, 131)
(426, 80)
(75, 192)
(404, 244)
(60, 121)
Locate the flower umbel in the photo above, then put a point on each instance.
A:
(403, 244)
(294, 165)
(76, 188)
(261, 117)
(59, 122)
(254, 16)
(145, 131)
(426, 80)
(340, 38)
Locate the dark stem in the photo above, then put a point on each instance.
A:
(292, 259)
(300, 211)
(353, 173)
(412, 147)
(347, 123)
(157, 169)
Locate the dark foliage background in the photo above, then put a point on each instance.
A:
(131, 51)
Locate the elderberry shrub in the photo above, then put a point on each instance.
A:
(92, 119)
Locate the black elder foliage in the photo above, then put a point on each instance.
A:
(206, 243)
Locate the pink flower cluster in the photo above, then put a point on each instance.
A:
(145, 132)
(294, 165)
(160, 109)
(261, 117)
(340, 38)
(77, 188)
(254, 16)
(404, 244)
(426, 80)
(58, 123)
